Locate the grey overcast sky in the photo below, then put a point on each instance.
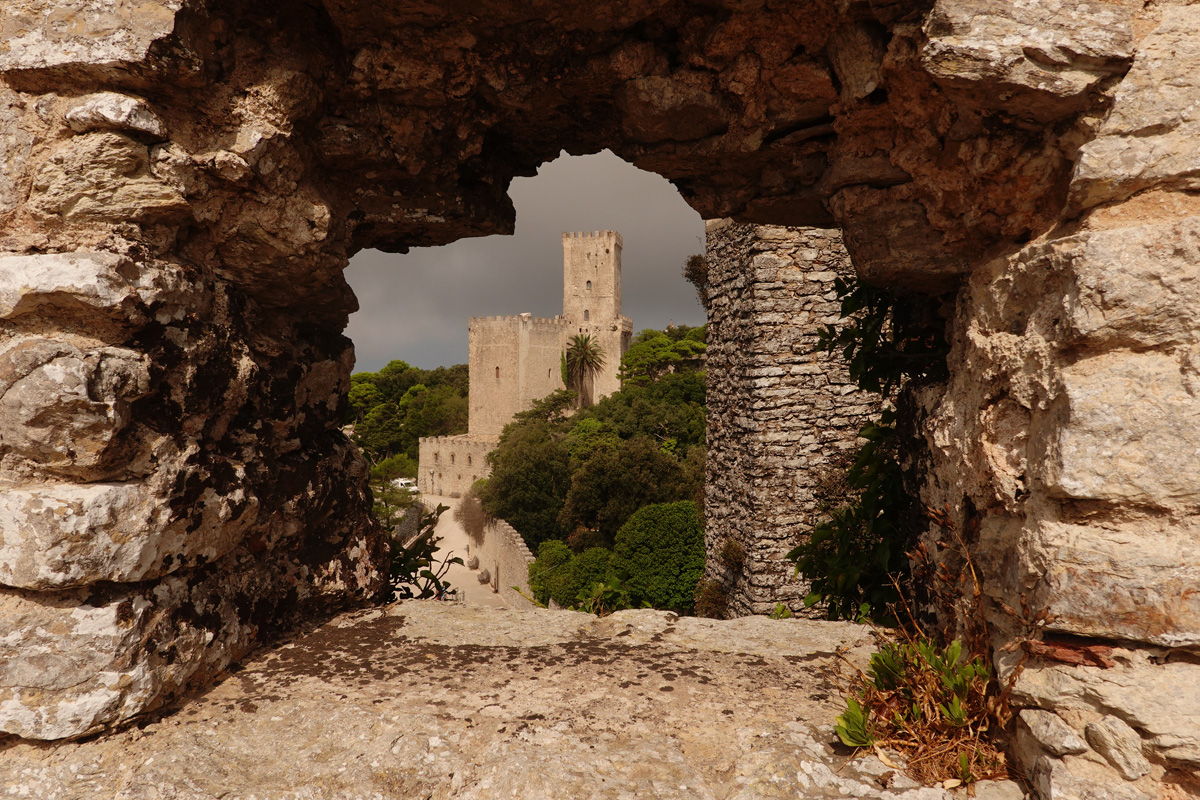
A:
(415, 306)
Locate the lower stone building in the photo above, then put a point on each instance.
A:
(783, 416)
(450, 464)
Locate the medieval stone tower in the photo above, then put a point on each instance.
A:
(517, 359)
(592, 299)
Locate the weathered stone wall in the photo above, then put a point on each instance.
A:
(513, 360)
(450, 464)
(198, 172)
(782, 416)
(506, 556)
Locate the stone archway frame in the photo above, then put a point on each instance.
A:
(182, 183)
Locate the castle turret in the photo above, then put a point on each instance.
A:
(592, 298)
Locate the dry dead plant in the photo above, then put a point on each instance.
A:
(940, 707)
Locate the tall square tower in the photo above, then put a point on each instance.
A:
(592, 298)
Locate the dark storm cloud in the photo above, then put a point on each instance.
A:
(415, 307)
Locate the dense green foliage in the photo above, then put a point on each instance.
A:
(614, 482)
(854, 559)
(654, 353)
(660, 550)
(851, 558)
(393, 408)
(886, 339)
(695, 272)
(554, 473)
(657, 561)
(531, 473)
(390, 502)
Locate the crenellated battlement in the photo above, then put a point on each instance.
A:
(518, 319)
(612, 236)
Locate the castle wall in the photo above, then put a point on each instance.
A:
(507, 558)
(448, 465)
(782, 417)
(514, 360)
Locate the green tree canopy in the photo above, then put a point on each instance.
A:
(661, 550)
(615, 482)
(653, 353)
(393, 408)
(529, 481)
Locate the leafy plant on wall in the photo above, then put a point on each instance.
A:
(854, 559)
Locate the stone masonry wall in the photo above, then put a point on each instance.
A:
(506, 556)
(514, 361)
(782, 417)
(450, 464)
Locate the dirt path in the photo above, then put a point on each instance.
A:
(455, 540)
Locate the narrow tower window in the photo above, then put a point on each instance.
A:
(468, 459)
(497, 373)
(452, 458)
(586, 315)
(589, 285)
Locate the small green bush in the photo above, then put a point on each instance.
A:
(660, 550)
(552, 555)
(579, 576)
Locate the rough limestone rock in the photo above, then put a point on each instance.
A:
(1052, 733)
(1121, 745)
(115, 111)
(426, 699)
(181, 185)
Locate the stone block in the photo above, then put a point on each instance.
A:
(1148, 696)
(1044, 53)
(103, 176)
(1056, 736)
(1128, 430)
(1120, 745)
(1150, 136)
(64, 409)
(1131, 582)
(1054, 780)
(41, 34)
(114, 111)
(64, 535)
(1131, 287)
(69, 282)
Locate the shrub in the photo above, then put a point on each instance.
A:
(471, 516)
(733, 556)
(583, 538)
(580, 575)
(711, 599)
(933, 705)
(661, 551)
(551, 555)
(415, 571)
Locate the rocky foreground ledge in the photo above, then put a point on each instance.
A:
(428, 700)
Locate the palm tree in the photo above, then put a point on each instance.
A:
(585, 359)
